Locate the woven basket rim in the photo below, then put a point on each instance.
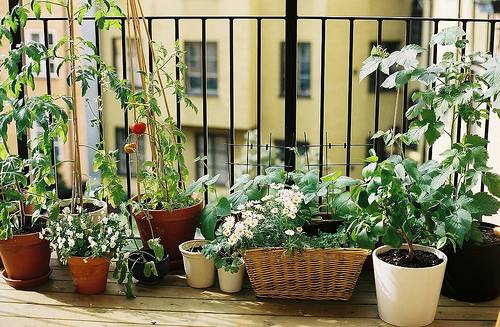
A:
(356, 250)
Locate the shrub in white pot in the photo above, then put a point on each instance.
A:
(225, 251)
(397, 206)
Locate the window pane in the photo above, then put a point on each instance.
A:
(194, 67)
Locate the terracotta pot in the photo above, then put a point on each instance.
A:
(96, 215)
(26, 258)
(200, 271)
(89, 275)
(173, 228)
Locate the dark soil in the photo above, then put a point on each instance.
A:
(489, 236)
(31, 228)
(195, 249)
(87, 207)
(400, 258)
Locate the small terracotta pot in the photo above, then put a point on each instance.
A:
(173, 228)
(26, 258)
(89, 275)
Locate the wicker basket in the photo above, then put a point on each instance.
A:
(318, 274)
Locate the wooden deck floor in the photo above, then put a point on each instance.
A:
(173, 303)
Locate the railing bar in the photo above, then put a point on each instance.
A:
(377, 86)
(125, 112)
(250, 17)
(322, 96)
(204, 99)
(231, 101)
(48, 80)
(99, 86)
(487, 120)
(290, 82)
(434, 61)
(259, 91)
(349, 97)
(177, 77)
(150, 52)
(405, 89)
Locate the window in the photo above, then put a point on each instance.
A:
(194, 68)
(303, 69)
(390, 46)
(37, 36)
(118, 62)
(121, 138)
(217, 157)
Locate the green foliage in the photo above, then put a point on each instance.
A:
(435, 203)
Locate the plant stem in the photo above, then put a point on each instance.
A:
(411, 250)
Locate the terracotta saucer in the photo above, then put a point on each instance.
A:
(26, 284)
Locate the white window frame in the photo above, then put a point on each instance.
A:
(43, 66)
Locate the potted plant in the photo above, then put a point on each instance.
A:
(87, 246)
(225, 250)
(24, 255)
(149, 266)
(163, 206)
(282, 261)
(45, 110)
(200, 271)
(434, 203)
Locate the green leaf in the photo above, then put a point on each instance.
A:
(368, 170)
(459, 224)
(484, 204)
(364, 240)
(433, 132)
(474, 140)
(369, 66)
(492, 181)
(392, 237)
(447, 36)
(155, 245)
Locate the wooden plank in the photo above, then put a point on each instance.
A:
(125, 316)
(267, 307)
(185, 292)
(35, 315)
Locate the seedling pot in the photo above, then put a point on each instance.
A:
(96, 215)
(172, 227)
(200, 271)
(26, 260)
(408, 296)
(89, 275)
(136, 264)
(473, 272)
(230, 282)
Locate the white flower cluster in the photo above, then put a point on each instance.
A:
(76, 234)
(287, 198)
(235, 231)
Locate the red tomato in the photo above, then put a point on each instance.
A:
(138, 128)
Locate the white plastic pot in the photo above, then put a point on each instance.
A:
(230, 282)
(200, 271)
(96, 215)
(408, 296)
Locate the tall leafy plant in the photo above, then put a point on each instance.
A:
(20, 105)
(440, 197)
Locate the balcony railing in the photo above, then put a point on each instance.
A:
(291, 20)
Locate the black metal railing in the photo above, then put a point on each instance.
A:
(264, 148)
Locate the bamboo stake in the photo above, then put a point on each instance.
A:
(77, 167)
(134, 108)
